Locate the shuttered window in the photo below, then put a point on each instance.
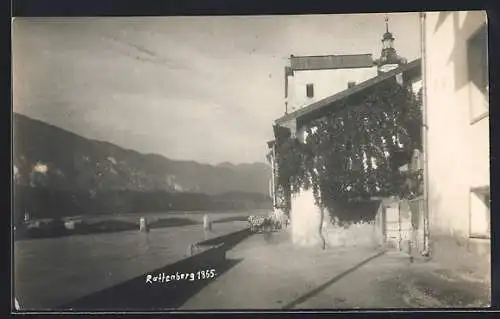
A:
(310, 90)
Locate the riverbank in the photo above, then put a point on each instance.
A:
(55, 271)
(71, 227)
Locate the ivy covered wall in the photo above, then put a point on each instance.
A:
(354, 152)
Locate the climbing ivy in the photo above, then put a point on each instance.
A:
(340, 145)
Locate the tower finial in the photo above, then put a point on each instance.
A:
(386, 23)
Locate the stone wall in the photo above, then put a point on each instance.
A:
(359, 227)
(305, 219)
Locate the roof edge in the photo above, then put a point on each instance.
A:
(345, 93)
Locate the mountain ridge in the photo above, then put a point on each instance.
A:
(75, 162)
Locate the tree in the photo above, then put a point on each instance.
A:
(355, 152)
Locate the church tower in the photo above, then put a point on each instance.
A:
(389, 59)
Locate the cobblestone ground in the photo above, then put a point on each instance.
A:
(273, 274)
(391, 281)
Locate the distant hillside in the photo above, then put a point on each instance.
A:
(79, 164)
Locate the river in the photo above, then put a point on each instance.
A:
(54, 271)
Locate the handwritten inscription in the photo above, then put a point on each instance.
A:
(191, 276)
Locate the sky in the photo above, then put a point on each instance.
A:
(190, 88)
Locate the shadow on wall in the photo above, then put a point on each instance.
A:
(461, 34)
(441, 19)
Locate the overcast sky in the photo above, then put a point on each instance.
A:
(197, 88)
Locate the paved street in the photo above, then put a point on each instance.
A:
(272, 274)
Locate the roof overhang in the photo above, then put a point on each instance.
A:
(410, 71)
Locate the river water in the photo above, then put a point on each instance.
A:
(54, 271)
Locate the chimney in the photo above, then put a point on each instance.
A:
(350, 84)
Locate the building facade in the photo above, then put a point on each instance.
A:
(309, 79)
(314, 85)
(454, 213)
(456, 73)
(308, 86)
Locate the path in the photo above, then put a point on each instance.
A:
(275, 275)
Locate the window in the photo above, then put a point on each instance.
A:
(480, 212)
(310, 90)
(477, 63)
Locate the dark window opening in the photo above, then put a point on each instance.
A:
(310, 90)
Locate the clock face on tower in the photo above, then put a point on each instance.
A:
(388, 67)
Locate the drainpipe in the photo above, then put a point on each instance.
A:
(425, 129)
(273, 177)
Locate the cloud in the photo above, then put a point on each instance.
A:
(200, 88)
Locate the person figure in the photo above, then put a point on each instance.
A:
(207, 225)
(143, 225)
(192, 249)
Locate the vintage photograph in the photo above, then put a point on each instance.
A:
(333, 161)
